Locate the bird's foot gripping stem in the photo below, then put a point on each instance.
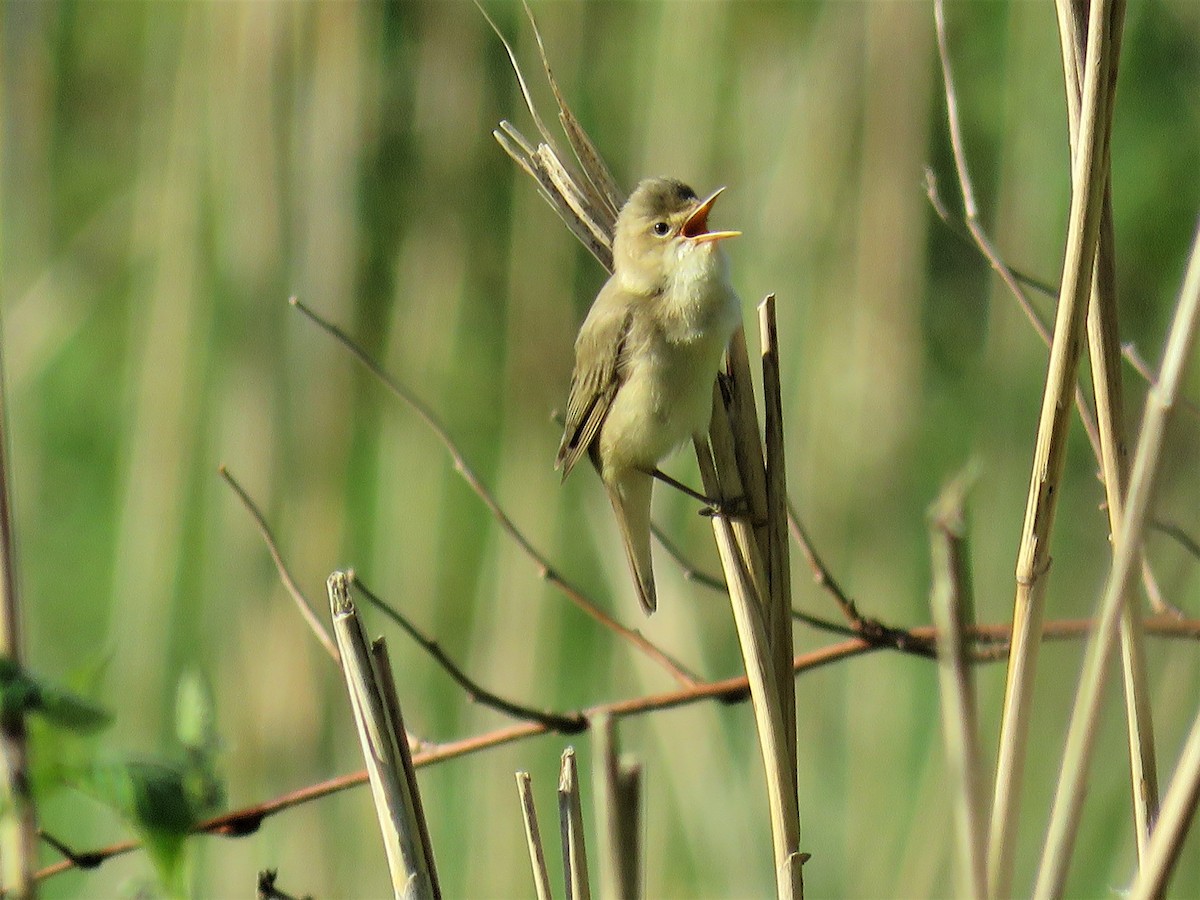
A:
(732, 508)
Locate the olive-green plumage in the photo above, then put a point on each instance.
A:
(648, 353)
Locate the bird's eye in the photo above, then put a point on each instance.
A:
(661, 229)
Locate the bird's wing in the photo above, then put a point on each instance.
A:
(599, 364)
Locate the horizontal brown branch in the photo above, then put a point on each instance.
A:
(247, 820)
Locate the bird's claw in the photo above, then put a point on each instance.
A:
(731, 508)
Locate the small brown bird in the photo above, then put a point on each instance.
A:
(648, 353)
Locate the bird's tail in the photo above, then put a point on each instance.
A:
(630, 498)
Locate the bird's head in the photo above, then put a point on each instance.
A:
(663, 229)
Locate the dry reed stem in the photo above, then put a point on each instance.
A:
(779, 569)
(952, 603)
(1178, 810)
(533, 837)
(382, 663)
(587, 206)
(1160, 403)
(978, 237)
(1105, 355)
(384, 746)
(762, 609)
(570, 812)
(18, 818)
(778, 759)
(618, 792)
(1033, 562)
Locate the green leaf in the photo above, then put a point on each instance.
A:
(69, 710)
(22, 694)
(154, 797)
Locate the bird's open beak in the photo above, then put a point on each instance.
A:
(696, 226)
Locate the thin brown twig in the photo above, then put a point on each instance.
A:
(1176, 533)
(956, 225)
(869, 629)
(571, 723)
(545, 570)
(690, 571)
(302, 604)
(1129, 350)
(247, 820)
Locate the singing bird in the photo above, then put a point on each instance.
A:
(648, 353)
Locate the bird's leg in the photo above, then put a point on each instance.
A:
(731, 509)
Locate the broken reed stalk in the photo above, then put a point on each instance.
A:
(1178, 809)
(533, 837)
(733, 467)
(618, 793)
(385, 749)
(952, 604)
(1104, 349)
(1160, 404)
(731, 464)
(570, 813)
(1089, 175)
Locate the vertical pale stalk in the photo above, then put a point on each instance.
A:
(1089, 176)
(18, 819)
(385, 749)
(570, 812)
(779, 569)
(1105, 356)
(952, 604)
(618, 792)
(533, 837)
(1160, 403)
(734, 470)
(1178, 810)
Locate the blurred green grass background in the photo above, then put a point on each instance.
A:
(173, 172)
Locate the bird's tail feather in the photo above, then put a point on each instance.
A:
(630, 498)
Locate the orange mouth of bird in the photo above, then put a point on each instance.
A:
(696, 226)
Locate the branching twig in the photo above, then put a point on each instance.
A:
(871, 630)
(690, 571)
(545, 569)
(302, 604)
(568, 724)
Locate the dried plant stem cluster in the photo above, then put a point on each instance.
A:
(1091, 38)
